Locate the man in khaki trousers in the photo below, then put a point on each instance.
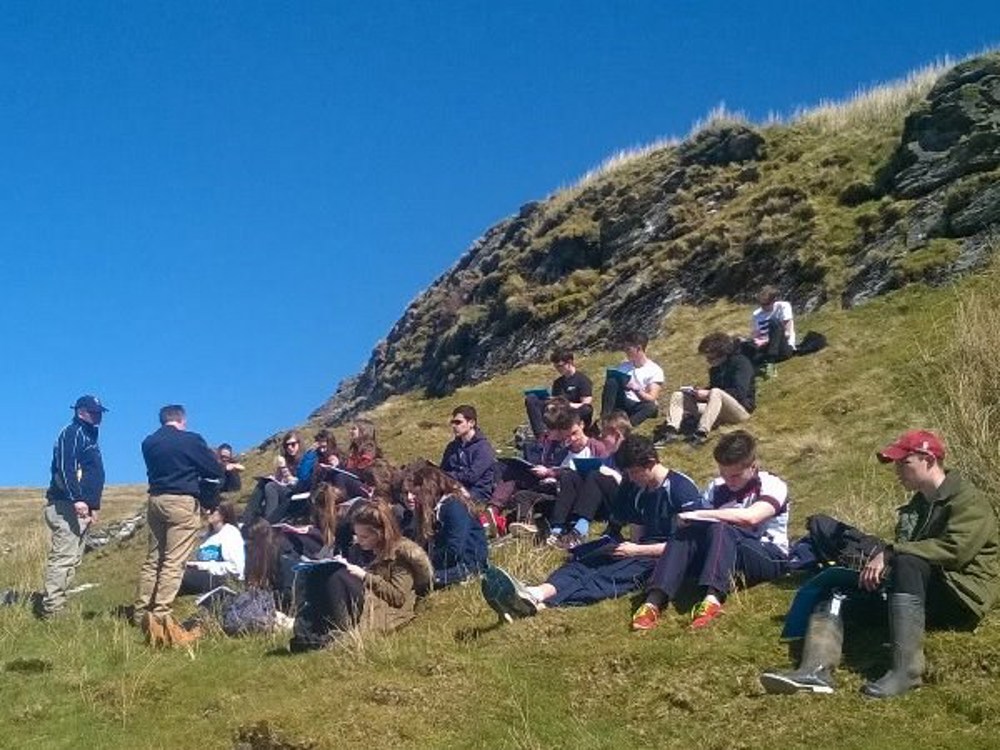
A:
(74, 499)
(178, 462)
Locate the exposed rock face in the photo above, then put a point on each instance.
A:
(718, 216)
(947, 159)
(955, 133)
(721, 146)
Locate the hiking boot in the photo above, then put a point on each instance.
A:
(705, 614)
(175, 634)
(906, 624)
(668, 435)
(819, 682)
(820, 656)
(646, 617)
(506, 595)
(152, 627)
(698, 437)
(570, 540)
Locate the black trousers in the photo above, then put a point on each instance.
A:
(715, 554)
(269, 500)
(586, 497)
(613, 399)
(914, 575)
(197, 581)
(334, 601)
(777, 348)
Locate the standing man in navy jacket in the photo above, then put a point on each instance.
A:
(74, 499)
(469, 459)
(176, 462)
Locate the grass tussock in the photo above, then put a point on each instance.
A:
(966, 396)
(882, 106)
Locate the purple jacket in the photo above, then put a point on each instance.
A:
(472, 464)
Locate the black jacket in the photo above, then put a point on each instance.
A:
(77, 467)
(736, 377)
(176, 460)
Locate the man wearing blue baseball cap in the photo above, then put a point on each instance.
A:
(74, 499)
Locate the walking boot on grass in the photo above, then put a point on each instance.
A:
(152, 628)
(820, 655)
(906, 626)
(176, 635)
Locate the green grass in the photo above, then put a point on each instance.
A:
(572, 678)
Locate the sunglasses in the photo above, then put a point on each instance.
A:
(291, 443)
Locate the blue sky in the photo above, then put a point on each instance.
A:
(226, 204)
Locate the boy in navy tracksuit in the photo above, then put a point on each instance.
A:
(743, 532)
(469, 458)
(609, 568)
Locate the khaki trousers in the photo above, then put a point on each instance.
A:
(721, 408)
(69, 534)
(174, 522)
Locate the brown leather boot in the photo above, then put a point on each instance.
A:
(152, 626)
(176, 635)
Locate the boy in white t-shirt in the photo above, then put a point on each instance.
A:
(772, 328)
(635, 384)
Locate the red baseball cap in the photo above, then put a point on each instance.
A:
(914, 441)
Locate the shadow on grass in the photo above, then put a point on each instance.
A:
(468, 635)
(28, 666)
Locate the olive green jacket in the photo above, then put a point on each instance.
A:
(392, 587)
(956, 530)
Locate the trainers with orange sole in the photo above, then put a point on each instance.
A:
(705, 614)
(645, 618)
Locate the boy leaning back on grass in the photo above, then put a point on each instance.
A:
(743, 531)
(649, 502)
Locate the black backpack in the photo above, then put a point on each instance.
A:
(811, 343)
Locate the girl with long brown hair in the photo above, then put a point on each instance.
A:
(380, 596)
(446, 524)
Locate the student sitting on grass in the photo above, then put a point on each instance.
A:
(269, 494)
(220, 558)
(565, 426)
(584, 498)
(635, 384)
(364, 448)
(943, 570)
(379, 597)
(743, 531)
(571, 384)
(446, 525)
(469, 458)
(609, 567)
(729, 399)
(772, 330)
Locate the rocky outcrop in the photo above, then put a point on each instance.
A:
(717, 216)
(948, 160)
(955, 133)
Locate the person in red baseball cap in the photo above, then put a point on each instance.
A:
(943, 568)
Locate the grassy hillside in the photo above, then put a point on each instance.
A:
(836, 205)
(574, 678)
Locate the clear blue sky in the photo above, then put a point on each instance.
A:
(226, 204)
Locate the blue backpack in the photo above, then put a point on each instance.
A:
(251, 611)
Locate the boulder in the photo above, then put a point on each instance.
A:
(954, 133)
